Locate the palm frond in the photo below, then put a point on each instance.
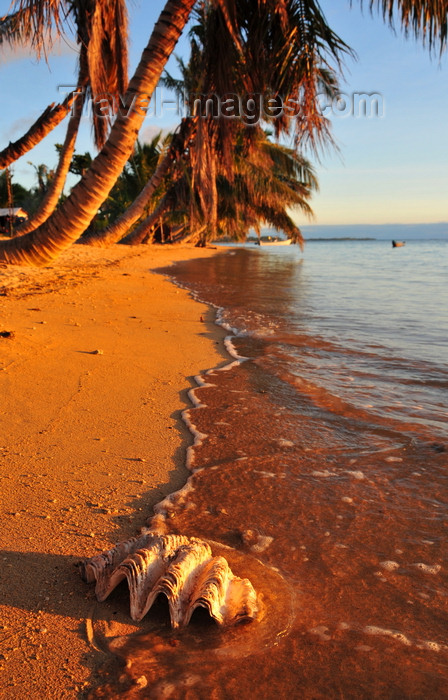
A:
(102, 31)
(36, 22)
(13, 30)
(285, 49)
(424, 19)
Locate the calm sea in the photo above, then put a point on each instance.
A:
(325, 470)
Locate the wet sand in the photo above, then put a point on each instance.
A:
(93, 377)
(335, 509)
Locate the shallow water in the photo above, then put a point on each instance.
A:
(324, 469)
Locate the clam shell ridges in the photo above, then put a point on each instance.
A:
(182, 568)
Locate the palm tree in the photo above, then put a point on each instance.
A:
(258, 37)
(166, 165)
(299, 46)
(213, 155)
(137, 171)
(144, 231)
(72, 218)
(67, 224)
(267, 181)
(46, 122)
(102, 69)
(25, 25)
(19, 193)
(54, 192)
(425, 19)
(101, 33)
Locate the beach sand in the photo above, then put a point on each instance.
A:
(92, 381)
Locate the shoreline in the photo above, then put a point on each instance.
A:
(91, 439)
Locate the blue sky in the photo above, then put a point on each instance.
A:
(390, 169)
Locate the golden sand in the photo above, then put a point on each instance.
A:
(92, 382)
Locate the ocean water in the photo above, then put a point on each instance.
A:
(321, 463)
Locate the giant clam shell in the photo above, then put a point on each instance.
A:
(182, 568)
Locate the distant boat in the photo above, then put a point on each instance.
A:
(398, 244)
(268, 240)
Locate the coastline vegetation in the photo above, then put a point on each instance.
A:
(214, 176)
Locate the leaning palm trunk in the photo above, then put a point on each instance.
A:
(123, 223)
(116, 231)
(49, 202)
(72, 218)
(48, 120)
(139, 234)
(191, 237)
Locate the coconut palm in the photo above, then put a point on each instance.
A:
(27, 25)
(267, 181)
(304, 47)
(212, 149)
(137, 171)
(67, 224)
(102, 69)
(44, 124)
(424, 19)
(33, 24)
(220, 140)
(270, 181)
(72, 218)
(101, 33)
(54, 192)
(166, 165)
(144, 232)
(304, 70)
(19, 193)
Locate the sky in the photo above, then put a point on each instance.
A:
(390, 167)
